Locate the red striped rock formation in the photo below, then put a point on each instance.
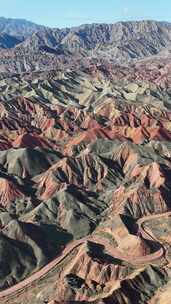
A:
(9, 192)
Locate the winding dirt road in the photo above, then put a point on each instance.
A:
(108, 248)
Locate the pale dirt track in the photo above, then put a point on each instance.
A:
(115, 253)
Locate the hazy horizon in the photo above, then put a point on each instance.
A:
(68, 13)
(75, 25)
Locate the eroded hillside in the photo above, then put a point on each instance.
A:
(85, 184)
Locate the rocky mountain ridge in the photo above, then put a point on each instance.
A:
(117, 43)
(20, 28)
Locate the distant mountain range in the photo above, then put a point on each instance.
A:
(18, 27)
(34, 47)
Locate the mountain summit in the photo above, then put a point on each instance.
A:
(18, 27)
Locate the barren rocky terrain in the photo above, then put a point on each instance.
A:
(85, 165)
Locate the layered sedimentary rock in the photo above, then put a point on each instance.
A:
(85, 183)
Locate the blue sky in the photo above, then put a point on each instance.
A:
(61, 13)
